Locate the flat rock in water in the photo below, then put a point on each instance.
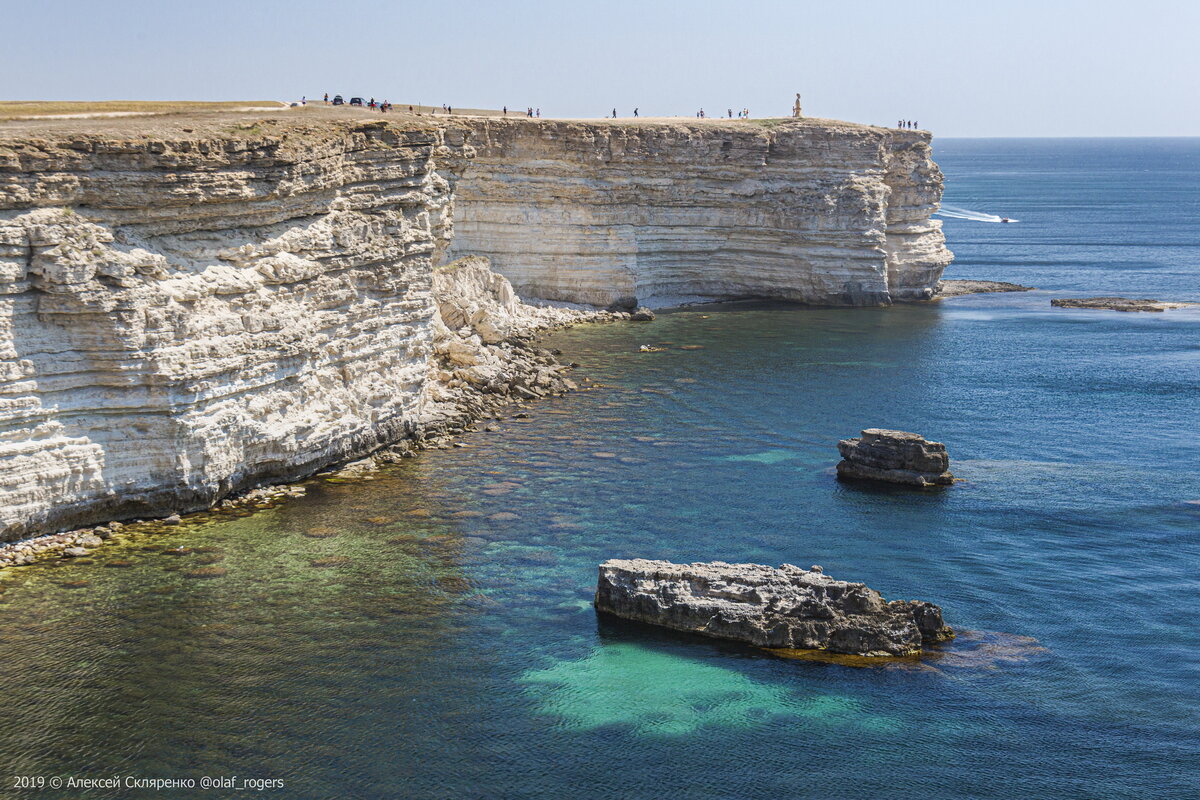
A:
(1117, 304)
(959, 288)
(894, 457)
(788, 607)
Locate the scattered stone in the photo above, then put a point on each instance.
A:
(89, 540)
(960, 288)
(74, 552)
(1117, 304)
(642, 314)
(649, 348)
(788, 607)
(894, 457)
(174, 519)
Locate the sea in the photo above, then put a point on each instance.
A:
(428, 632)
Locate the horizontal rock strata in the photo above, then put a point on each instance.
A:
(894, 457)
(788, 607)
(187, 314)
(192, 307)
(811, 211)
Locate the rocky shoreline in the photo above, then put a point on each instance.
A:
(486, 360)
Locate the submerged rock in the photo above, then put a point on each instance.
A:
(894, 457)
(1117, 303)
(788, 607)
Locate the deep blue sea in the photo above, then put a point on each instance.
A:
(429, 634)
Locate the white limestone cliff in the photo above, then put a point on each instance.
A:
(187, 312)
(185, 316)
(813, 211)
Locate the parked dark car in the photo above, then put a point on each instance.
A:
(356, 101)
(338, 101)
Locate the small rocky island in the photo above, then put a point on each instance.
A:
(1117, 304)
(788, 607)
(957, 288)
(894, 457)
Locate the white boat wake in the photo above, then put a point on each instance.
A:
(975, 216)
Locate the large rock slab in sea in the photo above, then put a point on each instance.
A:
(788, 607)
(894, 457)
(1118, 303)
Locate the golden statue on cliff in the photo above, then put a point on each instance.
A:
(796, 112)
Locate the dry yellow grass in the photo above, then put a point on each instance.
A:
(17, 109)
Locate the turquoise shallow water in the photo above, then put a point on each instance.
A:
(428, 633)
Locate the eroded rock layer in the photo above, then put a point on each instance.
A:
(192, 307)
(808, 210)
(894, 457)
(788, 607)
(184, 314)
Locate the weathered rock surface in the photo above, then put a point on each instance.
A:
(788, 607)
(894, 457)
(190, 312)
(814, 211)
(1117, 304)
(185, 315)
(957, 288)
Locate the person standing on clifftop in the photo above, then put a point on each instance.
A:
(635, 112)
(614, 113)
(506, 111)
(539, 113)
(327, 98)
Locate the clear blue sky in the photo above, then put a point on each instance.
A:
(959, 67)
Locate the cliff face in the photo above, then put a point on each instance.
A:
(811, 211)
(190, 311)
(185, 315)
